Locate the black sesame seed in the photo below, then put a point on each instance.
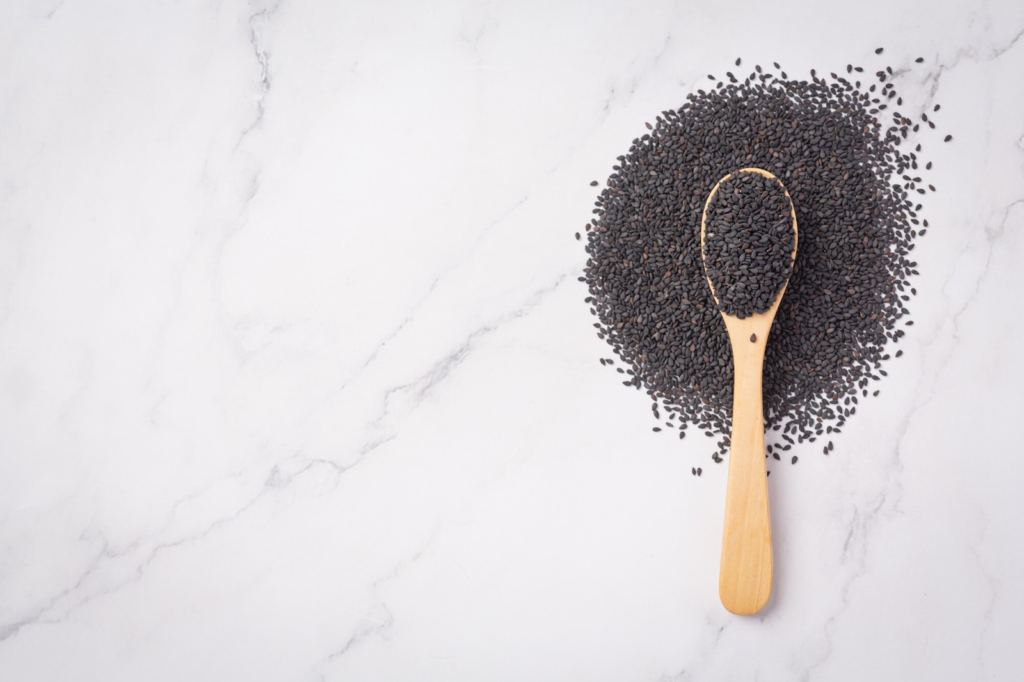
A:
(842, 167)
(748, 243)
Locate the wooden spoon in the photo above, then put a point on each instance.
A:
(745, 575)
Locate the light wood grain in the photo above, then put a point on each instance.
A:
(745, 574)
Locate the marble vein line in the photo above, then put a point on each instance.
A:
(381, 625)
(419, 389)
(861, 525)
(991, 583)
(55, 9)
(37, 616)
(965, 53)
(262, 55)
(411, 315)
(634, 82)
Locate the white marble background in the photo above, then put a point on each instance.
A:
(297, 383)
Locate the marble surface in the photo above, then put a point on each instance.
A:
(297, 383)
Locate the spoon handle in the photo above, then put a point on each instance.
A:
(745, 575)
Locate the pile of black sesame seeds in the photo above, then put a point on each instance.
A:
(748, 243)
(836, 146)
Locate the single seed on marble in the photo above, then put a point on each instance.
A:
(878, 51)
(577, 236)
(593, 183)
(948, 138)
(753, 338)
(793, 461)
(919, 60)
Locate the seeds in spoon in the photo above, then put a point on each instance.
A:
(748, 243)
